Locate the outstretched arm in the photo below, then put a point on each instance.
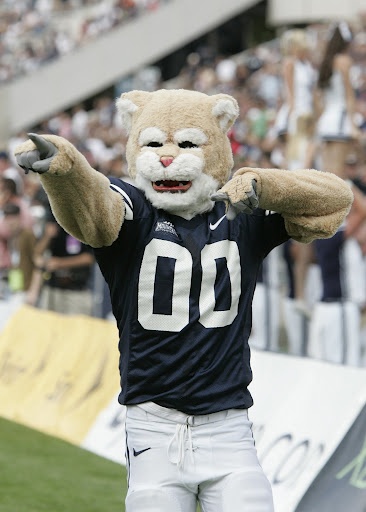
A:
(313, 203)
(80, 197)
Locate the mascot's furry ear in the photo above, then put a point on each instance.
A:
(127, 105)
(226, 109)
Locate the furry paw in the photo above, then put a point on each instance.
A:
(239, 196)
(38, 159)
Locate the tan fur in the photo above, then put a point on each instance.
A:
(313, 203)
(172, 110)
(80, 197)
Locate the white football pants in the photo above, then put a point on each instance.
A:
(335, 333)
(174, 460)
(296, 325)
(266, 318)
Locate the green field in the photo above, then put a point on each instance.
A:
(39, 473)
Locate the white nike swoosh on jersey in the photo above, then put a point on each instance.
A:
(214, 226)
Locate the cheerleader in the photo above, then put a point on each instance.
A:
(296, 117)
(336, 126)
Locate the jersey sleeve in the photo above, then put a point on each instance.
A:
(135, 230)
(137, 206)
(267, 230)
(275, 232)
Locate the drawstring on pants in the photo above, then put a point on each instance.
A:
(182, 436)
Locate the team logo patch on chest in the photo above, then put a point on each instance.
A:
(166, 227)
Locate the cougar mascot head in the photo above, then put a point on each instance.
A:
(178, 151)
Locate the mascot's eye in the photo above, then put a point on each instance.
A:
(187, 144)
(154, 144)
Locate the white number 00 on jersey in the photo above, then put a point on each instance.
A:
(179, 317)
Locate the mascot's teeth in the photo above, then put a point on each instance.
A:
(171, 185)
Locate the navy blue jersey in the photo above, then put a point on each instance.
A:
(181, 292)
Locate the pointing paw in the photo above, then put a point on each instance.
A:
(39, 159)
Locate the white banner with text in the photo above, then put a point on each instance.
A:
(303, 410)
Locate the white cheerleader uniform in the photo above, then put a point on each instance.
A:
(335, 124)
(281, 122)
(304, 83)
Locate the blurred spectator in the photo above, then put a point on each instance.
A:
(64, 265)
(9, 194)
(17, 259)
(225, 72)
(36, 198)
(79, 122)
(267, 81)
(355, 170)
(7, 170)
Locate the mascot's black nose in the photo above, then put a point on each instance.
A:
(166, 160)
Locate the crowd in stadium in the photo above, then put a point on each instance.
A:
(255, 78)
(35, 32)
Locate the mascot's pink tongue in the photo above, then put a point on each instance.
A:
(171, 186)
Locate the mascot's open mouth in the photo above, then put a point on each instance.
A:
(171, 186)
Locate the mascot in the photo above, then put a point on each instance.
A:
(180, 252)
